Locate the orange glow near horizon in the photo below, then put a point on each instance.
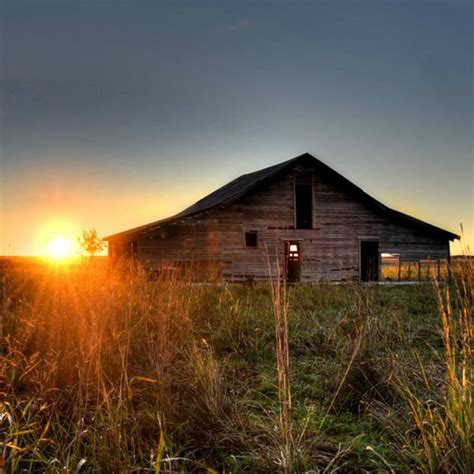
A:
(29, 231)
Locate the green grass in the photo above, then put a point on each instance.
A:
(103, 369)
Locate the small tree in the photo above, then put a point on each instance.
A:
(91, 242)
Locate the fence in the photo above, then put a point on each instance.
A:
(396, 269)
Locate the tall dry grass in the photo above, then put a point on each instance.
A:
(103, 368)
(445, 427)
(434, 426)
(99, 365)
(280, 300)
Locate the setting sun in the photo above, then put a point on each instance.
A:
(59, 247)
(57, 238)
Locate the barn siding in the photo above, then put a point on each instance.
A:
(329, 251)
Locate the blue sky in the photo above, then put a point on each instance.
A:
(116, 113)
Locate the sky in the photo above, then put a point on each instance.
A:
(117, 113)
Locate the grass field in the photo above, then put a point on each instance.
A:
(105, 370)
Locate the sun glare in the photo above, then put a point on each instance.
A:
(59, 248)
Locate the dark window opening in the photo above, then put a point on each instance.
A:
(304, 206)
(251, 239)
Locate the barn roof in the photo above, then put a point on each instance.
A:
(242, 185)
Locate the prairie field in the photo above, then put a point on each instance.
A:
(104, 369)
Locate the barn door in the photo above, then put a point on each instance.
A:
(369, 260)
(292, 261)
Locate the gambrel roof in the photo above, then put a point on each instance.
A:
(246, 183)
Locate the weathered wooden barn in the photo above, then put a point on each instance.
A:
(317, 223)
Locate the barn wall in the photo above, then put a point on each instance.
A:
(189, 241)
(329, 251)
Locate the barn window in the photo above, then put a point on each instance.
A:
(304, 205)
(251, 238)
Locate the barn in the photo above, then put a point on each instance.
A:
(318, 224)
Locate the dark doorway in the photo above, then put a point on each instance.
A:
(292, 261)
(369, 260)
